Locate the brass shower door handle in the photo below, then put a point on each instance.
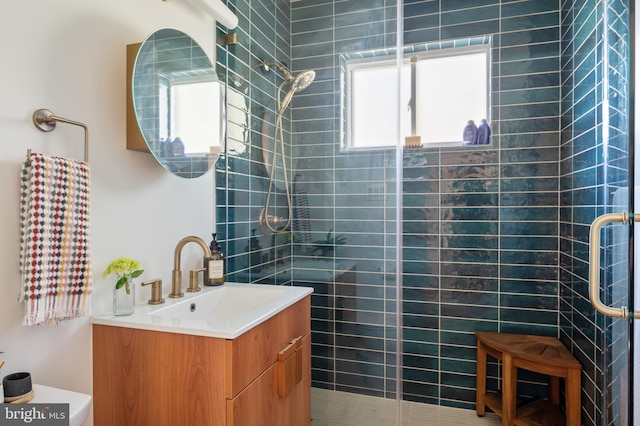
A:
(594, 265)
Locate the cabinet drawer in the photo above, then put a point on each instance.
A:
(260, 403)
(250, 354)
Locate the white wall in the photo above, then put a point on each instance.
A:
(69, 56)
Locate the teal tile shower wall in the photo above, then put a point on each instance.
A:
(241, 176)
(480, 227)
(591, 170)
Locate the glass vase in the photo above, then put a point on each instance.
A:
(124, 299)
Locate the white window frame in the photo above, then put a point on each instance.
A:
(389, 61)
(191, 116)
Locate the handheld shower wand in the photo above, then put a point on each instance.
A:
(298, 83)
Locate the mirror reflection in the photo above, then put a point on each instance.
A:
(178, 102)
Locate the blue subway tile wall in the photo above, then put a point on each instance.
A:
(242, 177)
(594, 177)
(466, 266)
(480, 227)
(493, 239)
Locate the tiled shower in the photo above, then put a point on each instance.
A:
(491, 238)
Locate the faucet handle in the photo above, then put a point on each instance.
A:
(156, 291)
(193, 280)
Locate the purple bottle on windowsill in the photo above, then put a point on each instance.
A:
(470, 134)
(484, 133)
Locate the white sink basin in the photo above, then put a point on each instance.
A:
(222, 304)
(225, 312)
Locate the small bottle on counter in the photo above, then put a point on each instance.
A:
(215, 266)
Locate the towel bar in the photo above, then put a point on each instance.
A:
(46, 121)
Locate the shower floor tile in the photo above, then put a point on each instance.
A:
(333, 408)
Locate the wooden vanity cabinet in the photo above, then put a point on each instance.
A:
(143, 377)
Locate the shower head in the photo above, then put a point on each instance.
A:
(300, 82)
(303, 80)
(267, 67)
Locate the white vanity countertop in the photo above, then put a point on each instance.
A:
(225, 311)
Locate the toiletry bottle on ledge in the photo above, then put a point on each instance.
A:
(177, 148)
(470, 133)
(484, 133)
(166, 148)
(215, 269)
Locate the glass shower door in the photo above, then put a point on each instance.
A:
(611, 298)
(611, 277)
(345, 220)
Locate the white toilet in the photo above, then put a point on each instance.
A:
(79, 403)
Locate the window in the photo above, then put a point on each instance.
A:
(194, 107)
(189, 105)
(442, 89)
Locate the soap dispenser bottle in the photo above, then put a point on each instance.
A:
(215, 269)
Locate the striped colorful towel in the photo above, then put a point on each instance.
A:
(55, 252)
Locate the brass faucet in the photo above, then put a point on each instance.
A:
(176, 277)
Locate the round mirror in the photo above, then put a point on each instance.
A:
(178, 102)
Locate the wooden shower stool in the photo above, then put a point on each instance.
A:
(545, 355)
